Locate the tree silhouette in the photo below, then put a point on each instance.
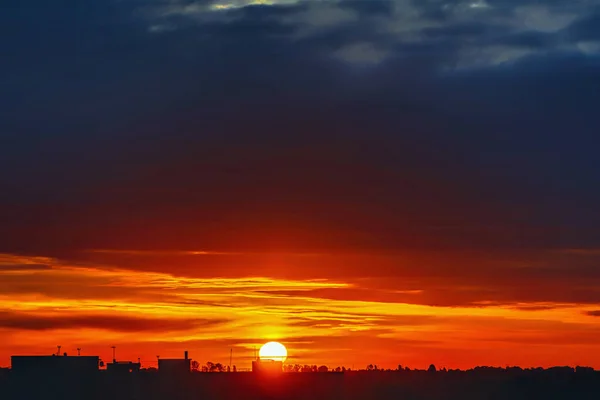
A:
(288, 368)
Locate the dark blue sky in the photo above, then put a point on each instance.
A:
(371, 125)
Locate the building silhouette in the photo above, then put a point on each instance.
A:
(174, 365)
(123, 366)
(57, 365)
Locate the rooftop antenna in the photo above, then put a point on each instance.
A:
(230, 356)
(79, 351)
(157, 360)
(114, 353)
(58, 352)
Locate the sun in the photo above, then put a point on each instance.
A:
(273, 351)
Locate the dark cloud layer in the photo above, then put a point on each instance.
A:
(594, 313)
(371, 126)
(24, 267)
(24, 321)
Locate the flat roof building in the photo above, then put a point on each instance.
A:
(123, 366)
(63, 365)
(175, 365)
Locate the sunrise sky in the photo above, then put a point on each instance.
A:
(383, 181)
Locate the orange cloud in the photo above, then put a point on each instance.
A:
(326, 321)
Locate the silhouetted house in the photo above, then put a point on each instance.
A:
(174, 365)
(267, 366)
(55, 365)
(123, 367)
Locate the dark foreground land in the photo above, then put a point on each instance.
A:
(475, 384)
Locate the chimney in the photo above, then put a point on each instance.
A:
(185, 354)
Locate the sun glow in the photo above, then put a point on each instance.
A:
(273, 351)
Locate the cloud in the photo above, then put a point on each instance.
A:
(321, 16)
(10, 261)
(283, 78)
(154, 253)
(594, 313)
(312, 316)
(538, 307)
(442, 278)
(175, 253)
(544, 19)
(402, 22)
(361, 53)
(23, 267)
(27, 322)
(374, 322)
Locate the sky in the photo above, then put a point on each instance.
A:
(368, 182)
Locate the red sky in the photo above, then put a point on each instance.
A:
(453, 309)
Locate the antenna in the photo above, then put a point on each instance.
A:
(230, 356)
(114, 353)
(58, 352)
(79, 351)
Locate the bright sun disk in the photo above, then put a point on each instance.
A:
(273, 351)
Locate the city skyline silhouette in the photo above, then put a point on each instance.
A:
(78, 377)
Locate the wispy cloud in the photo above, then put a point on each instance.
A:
(103, 305)
(23, 267)
(581, 252)
(175, 253)
(15, 262)
(465, 34)
(162, 253)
